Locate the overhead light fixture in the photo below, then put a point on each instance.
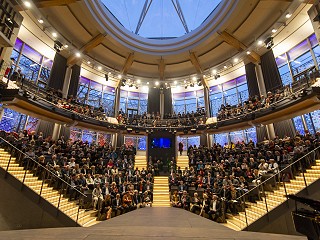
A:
(40, 21)
(119, 76)
(288, 15)
(27, 4)
(99, 68)
(260, 42)
(156, 83)
(138, 81)
(175, 82)
(194, 78)
(66, 46)
(214, 71)
(88, 62)
(185, 81)
(54, 34)
(204, 76)
(148, 83)
(225, 67)
(236, 60)
(274, 30)
(248, 52)
(78, 54)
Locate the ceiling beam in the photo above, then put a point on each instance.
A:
(195, 62)
(161, 68)
(234, 42)
(127, 64)
(94, 42)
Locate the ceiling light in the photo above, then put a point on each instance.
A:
(40, 21)
(66, 46)
(225, 67)
(88, 62)
(260, 42)
(274, 30)
(78, 54)
(175, 82)
(148, 83)
(119, 76)
(194, 78)
(99, 68)
(166, 84)
(185, 81)
(109, 73)
(288, 15)
(214, 71)
(236, 60)
(54, 34)
(204, 76)
(248, 52)
(27, 4)
(156, 83)
(138, 81)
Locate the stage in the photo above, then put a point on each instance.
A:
(147, 223)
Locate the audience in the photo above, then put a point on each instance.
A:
(224, 173)
(104, 174)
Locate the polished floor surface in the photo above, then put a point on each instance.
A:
(147, 223)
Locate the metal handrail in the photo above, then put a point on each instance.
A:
(276, 174)
(46, 169)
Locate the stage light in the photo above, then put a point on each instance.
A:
(54, 34)
(99, 68)
(78, 54)
(214, 71)
(119, 76)
(156, 83)
(248, 52)
(139, 81)
(40, 21)
(260, 42)
(288, 15)
(274, 30)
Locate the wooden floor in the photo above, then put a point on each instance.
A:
(147, 223)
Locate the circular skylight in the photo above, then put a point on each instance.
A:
(161, 19)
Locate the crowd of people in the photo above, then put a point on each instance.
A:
(254, 103)
(104, 174)
(169, 120)
(219, 175)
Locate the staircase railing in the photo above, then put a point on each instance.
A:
(46, 175)
(272, 189)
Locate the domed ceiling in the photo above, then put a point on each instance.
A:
(163, 39)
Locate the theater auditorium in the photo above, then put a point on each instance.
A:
(159, 119)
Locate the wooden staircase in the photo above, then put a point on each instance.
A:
(140, 161)
(161, 196)
(182, 162)
(70, 208)
(254, 211)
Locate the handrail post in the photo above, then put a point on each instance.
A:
(245, 212)
(78, 212)
(41, 185)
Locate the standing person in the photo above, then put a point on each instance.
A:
(180, 148)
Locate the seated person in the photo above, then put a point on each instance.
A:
(195, 203)
(117, 205)
(175, 200)
(106, 206)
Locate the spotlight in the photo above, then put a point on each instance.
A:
(194, 79)
(138, 81)
(225, 67)
(78, 54)
(54, 34)
(236, 60)
(119, 76)
(274, 30)
(57, 46)
(99, 68)
(66, 46)
(156, 83)
(269, 42)
(175, 82)
(260, 42)
(40, 21)
(288, 15)
(88, 62)
(214, 71)
(27, 4)
(248, 52)
(107, 77)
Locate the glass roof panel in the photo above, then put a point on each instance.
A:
(161, 19)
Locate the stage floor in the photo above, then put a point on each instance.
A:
(147, 223)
